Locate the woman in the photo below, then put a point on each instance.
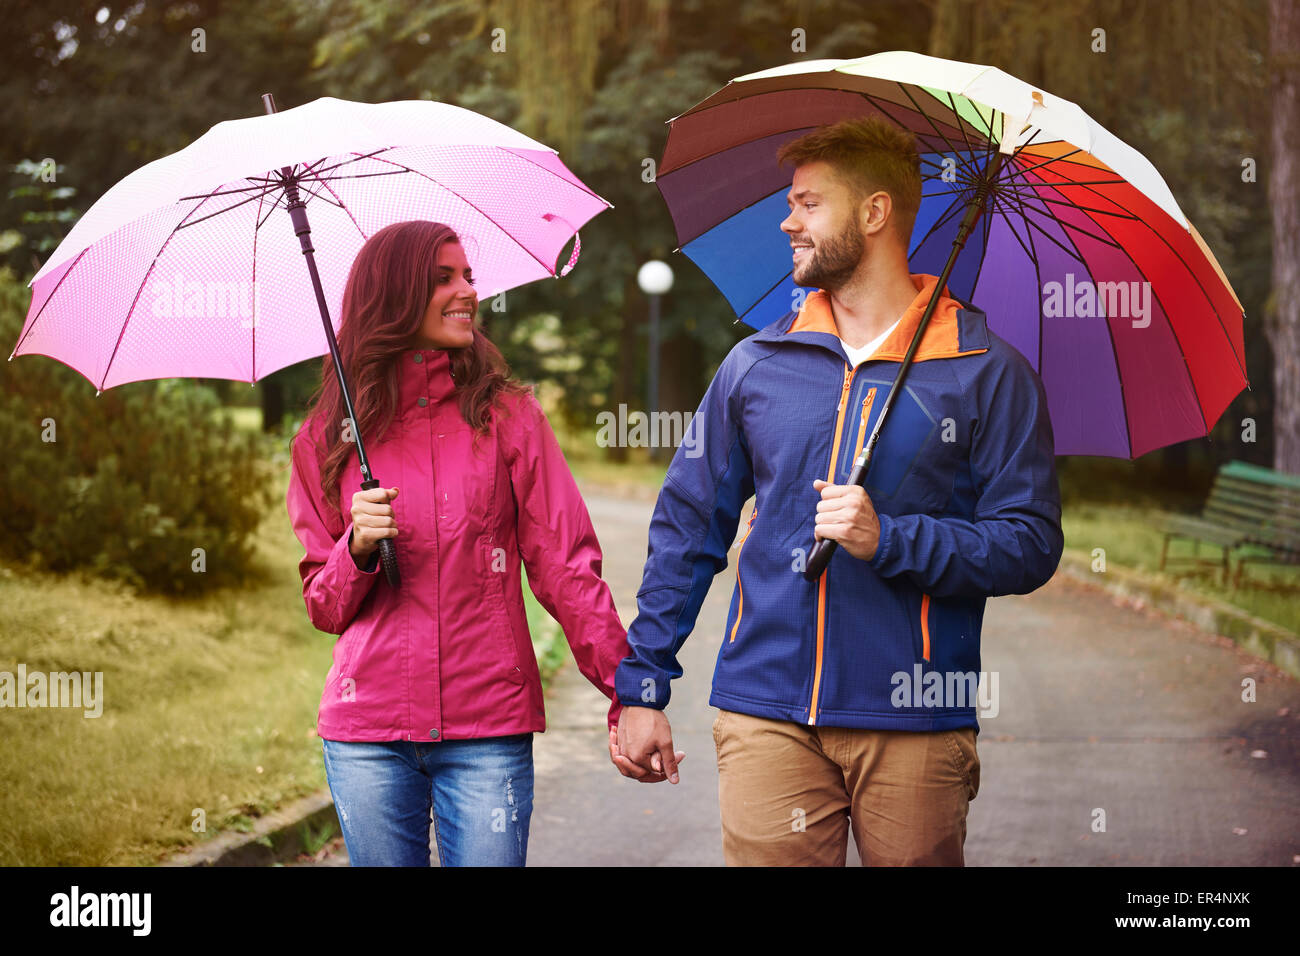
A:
(434, 694)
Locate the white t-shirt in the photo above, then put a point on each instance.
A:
(858, 356)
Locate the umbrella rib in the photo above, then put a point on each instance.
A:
(186, 225)
(1072, 254)
(256, 229)
(302, 184)
(272, 208)
(28, 331)
(1241, 368)
(1054, 159)
(1065, 225)
(924, 114)
(344, 207)
(1191, 381)
(1075, 182)
(476, 209)
(330, 179)
(1038, 277)
(227, 192)
(872, 100)
(355, 158)
(984, 251)
(1016, 151)
(139, 290)
(1110, 335)
(957, 204)
(1100, 212)
(1070, 225)
(557, 176)
(1011, 225)
(770, 289)
(961, 124)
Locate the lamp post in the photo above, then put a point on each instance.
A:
(655, 279)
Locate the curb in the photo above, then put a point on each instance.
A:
(1265, 639)
(276, 837)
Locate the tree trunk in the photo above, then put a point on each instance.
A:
(625, 382)
(272, 395)
(1283, 322)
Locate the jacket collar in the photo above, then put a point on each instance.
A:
(956, 328)
(423, 373)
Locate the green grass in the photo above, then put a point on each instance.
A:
(208, 704)
(1131, 538)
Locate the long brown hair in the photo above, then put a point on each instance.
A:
(388, 290)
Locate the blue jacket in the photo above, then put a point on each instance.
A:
(964, 482)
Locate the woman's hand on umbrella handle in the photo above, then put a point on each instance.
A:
(373, 520)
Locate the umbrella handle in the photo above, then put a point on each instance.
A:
(820, 557)
(823, 549)
(387, 550)
(388, 558)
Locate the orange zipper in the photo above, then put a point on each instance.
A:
(740, 606)
(821, 584)
(925, 626)
(862, 424)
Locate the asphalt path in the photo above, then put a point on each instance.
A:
(1121, 738)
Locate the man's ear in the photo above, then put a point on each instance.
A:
(874, 212)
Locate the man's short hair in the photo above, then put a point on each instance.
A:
(868, 154)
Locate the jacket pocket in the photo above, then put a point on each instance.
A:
(867, 402)
(740, 606)
(498, 620)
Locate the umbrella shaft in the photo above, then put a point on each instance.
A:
(823, 549)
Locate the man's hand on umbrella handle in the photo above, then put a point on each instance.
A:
(642, 746)
(372, 521)
(846, 515)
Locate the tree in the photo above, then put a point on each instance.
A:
(1284, 314)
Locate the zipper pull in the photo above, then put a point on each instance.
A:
(844, 390)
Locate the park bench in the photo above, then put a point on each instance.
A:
(1250, 508)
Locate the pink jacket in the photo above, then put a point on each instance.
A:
(448, 655)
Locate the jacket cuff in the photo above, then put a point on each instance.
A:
(372, 564)
(885, 546)
(349, 583)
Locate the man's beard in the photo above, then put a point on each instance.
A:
(833, 261)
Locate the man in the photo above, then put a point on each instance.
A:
(850, 701)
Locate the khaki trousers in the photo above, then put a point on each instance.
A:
(788, 793)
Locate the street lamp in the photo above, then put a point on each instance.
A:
(655, 279)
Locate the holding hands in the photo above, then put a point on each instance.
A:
(642, 746)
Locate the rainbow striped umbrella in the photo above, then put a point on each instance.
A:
(1081, 259)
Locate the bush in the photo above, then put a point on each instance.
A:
(133, 481)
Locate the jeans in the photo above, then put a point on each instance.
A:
(480, 792)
